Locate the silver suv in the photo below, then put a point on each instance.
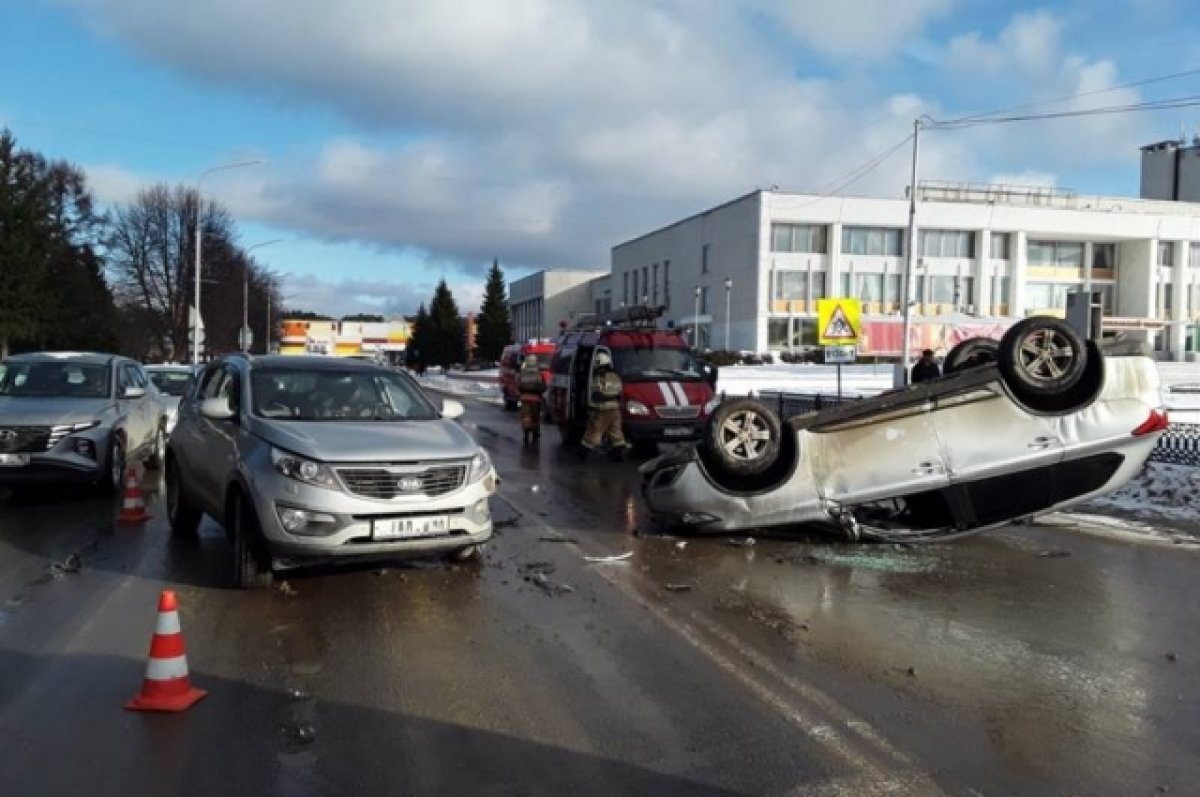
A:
(66, 416)
(310, 459)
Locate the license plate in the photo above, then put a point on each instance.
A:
(677, 431)
(404, 528)
(14, 460)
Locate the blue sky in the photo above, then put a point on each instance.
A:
(406, 141)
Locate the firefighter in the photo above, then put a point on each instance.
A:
(530, 387)
(604, 403)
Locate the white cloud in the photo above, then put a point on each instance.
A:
(867, 29)
(341, 297)
(1031, 42)
(111, 184)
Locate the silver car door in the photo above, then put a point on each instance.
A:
(888, 455)
(985, 434)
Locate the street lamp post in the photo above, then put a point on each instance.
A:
(243, 334)
(696, 319)
(728, 293)
(199, 218)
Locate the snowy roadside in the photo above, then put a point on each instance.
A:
(483, 391)
(1163, 496)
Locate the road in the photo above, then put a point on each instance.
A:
(1031, 661)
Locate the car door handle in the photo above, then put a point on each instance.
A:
(926, 469)
(1041, 443)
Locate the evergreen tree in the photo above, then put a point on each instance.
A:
(447, 336)
(494, 326)
(417, 351)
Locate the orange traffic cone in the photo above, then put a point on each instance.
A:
(133, 504)
(167, 686)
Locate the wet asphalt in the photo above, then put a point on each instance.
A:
(1029, 661)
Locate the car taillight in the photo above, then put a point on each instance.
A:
(1157, 422)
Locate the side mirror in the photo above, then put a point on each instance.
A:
(452, 409)
(216, 409)
(132, 392)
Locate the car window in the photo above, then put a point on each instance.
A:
(230, 388)
(333, 395)
(211, 381)
(171, 383)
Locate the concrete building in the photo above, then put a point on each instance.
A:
(538, 302)
(985, 251)
(1171, 170)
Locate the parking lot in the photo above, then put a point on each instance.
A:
(1043, 659)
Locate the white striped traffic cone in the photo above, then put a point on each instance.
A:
(167, 686)
(133, 504)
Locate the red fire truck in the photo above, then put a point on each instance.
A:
(668, 393)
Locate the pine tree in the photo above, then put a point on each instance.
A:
(447, 344)
(495, 327)
(417, 350)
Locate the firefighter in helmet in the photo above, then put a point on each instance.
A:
(531, 387)
(604, 409)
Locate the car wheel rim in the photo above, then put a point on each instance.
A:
(744, 435)
(1046, 354)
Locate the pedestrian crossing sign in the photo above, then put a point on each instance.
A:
(839, 322)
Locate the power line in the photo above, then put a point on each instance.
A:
(854, 175)
(1154, 105)
(1077, 95)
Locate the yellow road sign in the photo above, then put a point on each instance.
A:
(839, 322)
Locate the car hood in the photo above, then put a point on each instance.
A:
(40, 411)
(376, 441)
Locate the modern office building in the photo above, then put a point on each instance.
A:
(752, 268)
(539, 302)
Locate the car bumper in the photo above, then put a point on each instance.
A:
(660, 431)
(54, 467)
(355, 530)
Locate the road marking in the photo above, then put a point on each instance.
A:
(831, 736)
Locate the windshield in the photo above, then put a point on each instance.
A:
(54, 380)
(320, 395)
(171, 383)
(644, 364)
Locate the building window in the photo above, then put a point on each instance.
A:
(1166, 253)
(790, 333)
(625, 289)
(654, 289)
(893, 287)
(667, 283)
(1000, 287)
(874, 241)
(947, 243)
(1162, 300)
(796, 286)
(1104, 256)
(964, 293)
(644, 296)
(1194, 255)
(809, 238)
(704, 300)
(704, 258)
(1048, 295)
(1056, 254)
(1107, 298)
(867, 287)
(634, 297)
(941, 290)
(1001, 242)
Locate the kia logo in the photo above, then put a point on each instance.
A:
(409, 484)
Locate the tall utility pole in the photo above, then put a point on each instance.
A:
(728, 293)
(911, 259)
(199, 243)
(244, 333)
(267, 331)
(696, 320)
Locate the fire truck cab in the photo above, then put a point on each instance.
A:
(667, 392)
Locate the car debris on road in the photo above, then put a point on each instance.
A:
(604, 560)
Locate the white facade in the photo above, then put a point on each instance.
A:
(539, 302)
(983, 251)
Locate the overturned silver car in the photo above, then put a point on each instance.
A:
(1031, 424)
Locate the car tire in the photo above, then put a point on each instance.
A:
(743, 437)
(182, 515)
(114, 467)
(969, 353)
(469, 553)
(1041, 357)
(250, 570)
(158, 455)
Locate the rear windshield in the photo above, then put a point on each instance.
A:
(54, 380)
(334, 395)
(649, 364)
(172, 383)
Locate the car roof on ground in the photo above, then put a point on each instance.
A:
(312, 363)
(83, 357)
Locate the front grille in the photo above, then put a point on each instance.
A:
(384, 481)
(677, 413)
(25, 439)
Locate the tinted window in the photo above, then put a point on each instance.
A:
(330, 395)
(55, 380)
(171, 383)
(648, 364)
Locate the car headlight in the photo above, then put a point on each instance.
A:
(481, 465)
(303, 470)
(81, 427)
(711, 405)
(634, 407)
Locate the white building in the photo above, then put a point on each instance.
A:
(990, 251)
(540, 301)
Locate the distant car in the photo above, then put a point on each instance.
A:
(173, 383)
(1032, 424)
(66, 416)
(319, 459)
